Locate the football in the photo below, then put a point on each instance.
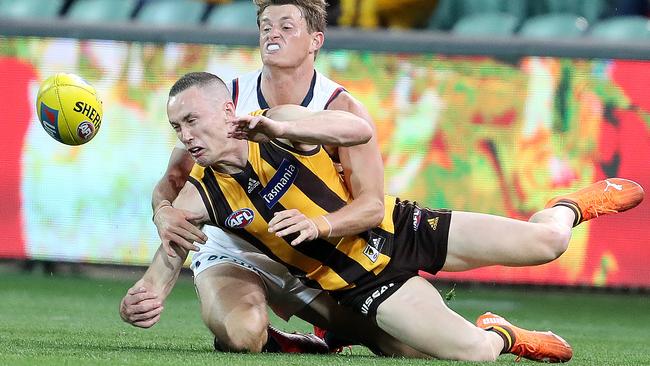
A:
(69, 109)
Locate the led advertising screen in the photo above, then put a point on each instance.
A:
(482, 134)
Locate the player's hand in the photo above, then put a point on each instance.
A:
(292, 221)
(140, 307)
(175, 225)
(255, 128)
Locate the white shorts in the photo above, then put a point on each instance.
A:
(286, 295)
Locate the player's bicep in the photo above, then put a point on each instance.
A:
(362, 165)
(288, 112)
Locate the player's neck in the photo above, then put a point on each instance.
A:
(286, 85)
(234, 161)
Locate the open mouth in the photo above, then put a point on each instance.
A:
(195, 151)
(272, 47)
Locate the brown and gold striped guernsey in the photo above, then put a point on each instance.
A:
(279, 177)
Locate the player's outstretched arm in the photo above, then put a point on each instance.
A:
(143, 303)
(174, 224)
(301, 125)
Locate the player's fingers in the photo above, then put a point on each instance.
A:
(254, 123)
(167, 248)
(282, 215)
(140, 304)
(143, 307)
(147, 323)
(302, 237)
(146, 315)
(288, 222)
(181, 242)
(190, 233)
(136, 290)
(240, 121)
(289, 230)
(135, 298)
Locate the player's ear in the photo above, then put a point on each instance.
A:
(317, 40)
(229, 108)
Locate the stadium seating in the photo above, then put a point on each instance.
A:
(30, 9)
(239, 14)
(592, 10)
(101, 10)
(449, 12)
(622, 28)
(171, 12)
(488, 24)
(554, 25)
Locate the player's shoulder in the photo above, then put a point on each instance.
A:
(346, 102)
(247, 78)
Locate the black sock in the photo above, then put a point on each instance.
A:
(334, 341)
(507, 336)
(574, 207)
(271, 345)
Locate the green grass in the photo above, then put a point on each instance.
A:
(67, 320)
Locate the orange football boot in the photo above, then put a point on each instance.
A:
(530, 344)
(605, 197)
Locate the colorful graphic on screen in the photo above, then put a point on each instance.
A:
(467, 133)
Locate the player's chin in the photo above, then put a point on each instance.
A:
(201, 161)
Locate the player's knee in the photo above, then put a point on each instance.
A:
(245, 331)
(554, 241)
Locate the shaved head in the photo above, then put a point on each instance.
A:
(218, 88)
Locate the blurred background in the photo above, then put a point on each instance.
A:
(492, 106)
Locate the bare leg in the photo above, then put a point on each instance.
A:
(478, 240)
(416, 315)
(326, 313)
(233, 306)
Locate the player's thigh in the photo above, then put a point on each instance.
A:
(416, 315)
(326, 313)
(225, 288)
(477, 240)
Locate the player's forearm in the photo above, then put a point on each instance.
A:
(178, 169)
(164, 192)
(162, 274)
(336, 128)
(362, 214)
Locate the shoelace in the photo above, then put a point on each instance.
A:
(522, 350)
(599, 202)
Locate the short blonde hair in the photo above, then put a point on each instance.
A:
(314, 11)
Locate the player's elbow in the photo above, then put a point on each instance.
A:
(376, 212)
(361, 134)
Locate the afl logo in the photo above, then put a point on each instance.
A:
(240, 218)
(85, 130)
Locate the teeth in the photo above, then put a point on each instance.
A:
(273, 47)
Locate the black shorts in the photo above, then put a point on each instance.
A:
(419, 244)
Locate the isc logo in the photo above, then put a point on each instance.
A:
(240, 218)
